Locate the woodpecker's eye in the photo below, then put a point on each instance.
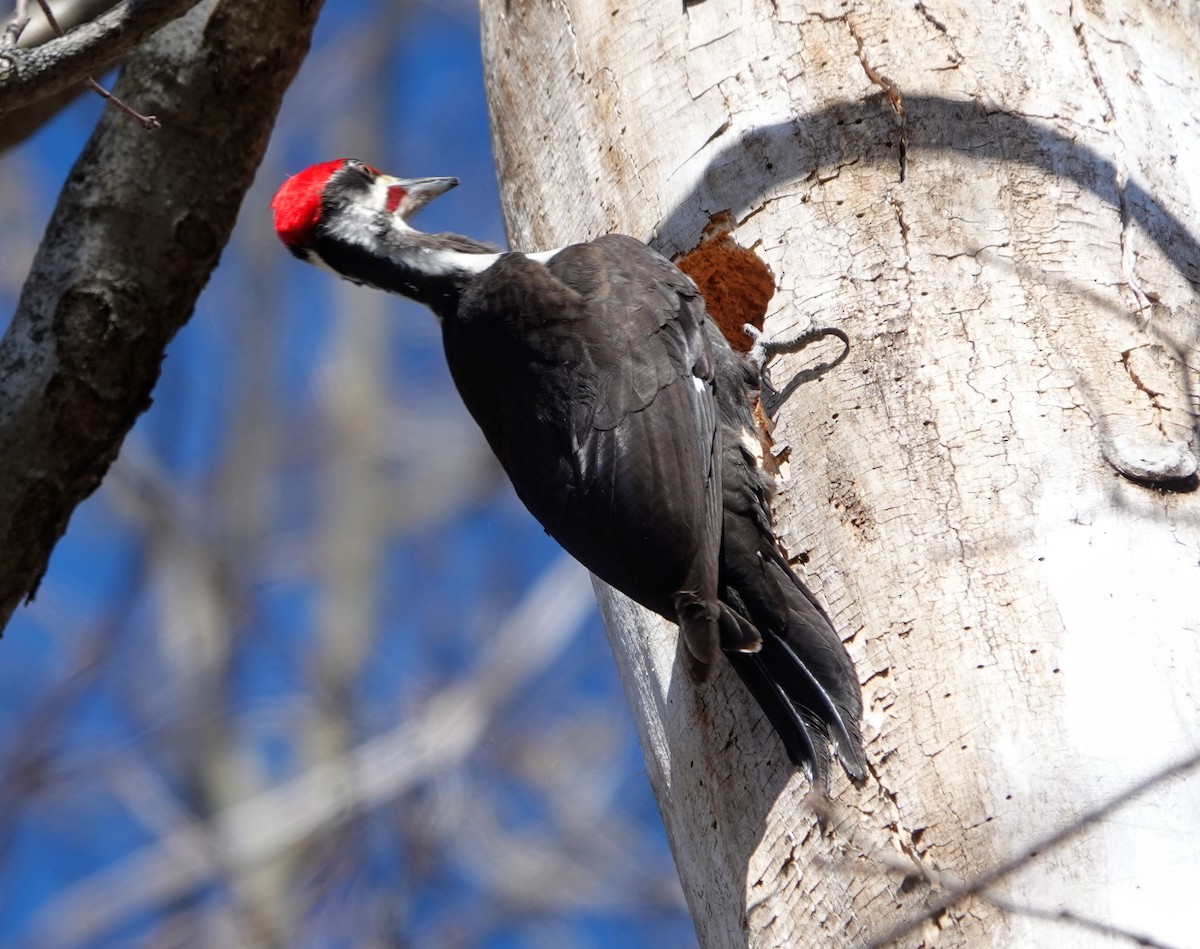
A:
(362, 169)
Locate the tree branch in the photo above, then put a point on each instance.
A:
(1072, 918)
(138, 229)
(29, 75)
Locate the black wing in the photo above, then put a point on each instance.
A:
(592, 379)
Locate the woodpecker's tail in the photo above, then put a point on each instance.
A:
(801, 674)
(802, 677)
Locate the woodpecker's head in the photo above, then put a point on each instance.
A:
(348, 202)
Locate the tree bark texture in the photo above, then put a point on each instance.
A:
(139, 226)
(994, 494)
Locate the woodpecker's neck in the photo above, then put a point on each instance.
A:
(383, 252)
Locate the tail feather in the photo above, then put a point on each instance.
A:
(802, 676)
(839, 724)
(826, 681)
(812, 757)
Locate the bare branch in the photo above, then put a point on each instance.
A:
(68, 13)
(137, 231)
(979, 884)
(148, 122)
(23, 121)
(449, 726)
(49, 15)
(27, 76)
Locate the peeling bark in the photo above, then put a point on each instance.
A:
(994, 493)
(139, 226)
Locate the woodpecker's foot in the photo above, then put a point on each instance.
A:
(766, 347)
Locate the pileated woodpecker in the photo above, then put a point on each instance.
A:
(623, 419)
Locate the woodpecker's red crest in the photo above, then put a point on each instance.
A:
(297, 203)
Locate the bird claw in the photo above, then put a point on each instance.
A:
(758, 355)
(766, 347)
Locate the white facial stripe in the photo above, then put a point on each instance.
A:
(453, 261)
(439, 262)
(361, 218)
(379, 192)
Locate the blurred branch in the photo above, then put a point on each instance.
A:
(1069, 917)
(17, 24)
(137, 231)
(25, 764)
(147, 122)
(445, 731)
(27, 76)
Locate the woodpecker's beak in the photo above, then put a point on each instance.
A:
(406, 196)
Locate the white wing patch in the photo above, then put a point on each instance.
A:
(753, 445)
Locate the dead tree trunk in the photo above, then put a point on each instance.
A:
(994, 494)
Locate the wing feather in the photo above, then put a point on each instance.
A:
(600, 362)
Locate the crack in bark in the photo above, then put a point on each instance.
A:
(628, 163)
(956, 58)
(930, 18)
(1151, 394)
(576, 59)
(1093, 71)
(891, 90)
(898, 210)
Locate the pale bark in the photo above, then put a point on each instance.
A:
(994, 494)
